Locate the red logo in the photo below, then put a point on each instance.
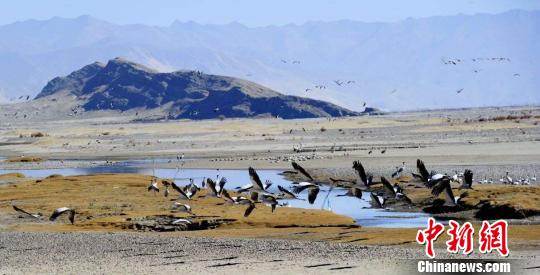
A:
(460, 237)
(491, 237)
(429, 235)
(494, 237)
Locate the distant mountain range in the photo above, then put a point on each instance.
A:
(411, 64)
(122, 85)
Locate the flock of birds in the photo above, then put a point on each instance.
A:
(259, 192)
(56, 213)
(381, 193)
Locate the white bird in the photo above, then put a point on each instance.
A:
(484, 181)
(153, 186)
(182, 207)
(61, 211)
(457, 177)
(186, 221)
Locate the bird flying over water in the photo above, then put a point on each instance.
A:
(366, 178)
(301, 170)
(313, 190)
(352, 192)
(376, 200)
(255, 180)
(286, 194)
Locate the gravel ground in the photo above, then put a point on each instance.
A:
(77, 253)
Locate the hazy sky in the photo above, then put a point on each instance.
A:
(251, 12)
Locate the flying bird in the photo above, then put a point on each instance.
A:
(182, 195)
(249, 209)
(352, 192)
(182, 207)
(423, 174)
(467, 180)
(366, 178)
(61, 211)
(286, 194)
(399, 170)
(35, 216)
(388, 189)
(376, 200)
(313, 190)
(256, 183)
(444, 186)
(216, 189)
(153, 186)
(301, 170)
(235, 200)
(269, 199)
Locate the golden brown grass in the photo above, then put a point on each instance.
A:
(9, 176)
(525, 199)
(105, 202)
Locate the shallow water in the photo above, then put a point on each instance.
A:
(358, 209)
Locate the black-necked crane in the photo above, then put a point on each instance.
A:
(366, 178)
(62, 210)
(35, 216)
(467, 180)
(352, 192)
(153, 186)
(399, 170)
(182, 207)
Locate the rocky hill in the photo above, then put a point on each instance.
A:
(123, 85)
